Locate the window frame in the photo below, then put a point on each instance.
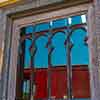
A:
(18, 23)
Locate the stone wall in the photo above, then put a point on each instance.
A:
(94, 54)
(97, 37)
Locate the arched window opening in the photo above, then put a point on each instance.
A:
(59, 53)
(41, 56)
(79, 52)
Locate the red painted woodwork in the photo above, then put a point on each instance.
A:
(58, 77)
(41, 84)
(80, 82)
(58, 83)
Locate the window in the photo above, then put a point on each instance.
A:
(55, 33)
(44, 47)
(79, 44)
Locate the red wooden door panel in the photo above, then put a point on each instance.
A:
(58, 83)
(41, 84)
(80, 82)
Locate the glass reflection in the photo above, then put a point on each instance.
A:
(41, 56)
(79, 52)
(27, 60)
(59, 55)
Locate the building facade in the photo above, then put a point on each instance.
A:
(49, 49)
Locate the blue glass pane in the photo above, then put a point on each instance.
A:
(76, 20)
(59, 55)
(79, 53)
(29, 29)
(41, 27)
(27, 53)
(59, 23)
(26, 86)
(41, 56)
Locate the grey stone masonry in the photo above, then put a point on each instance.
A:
(97, 29)
(97, 32)
(94, 31)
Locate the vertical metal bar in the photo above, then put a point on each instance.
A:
(49, 80)
(31, 80)
(21, 68)
(31, 96)
(69, 67)
(49, 61)
(69, 75)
